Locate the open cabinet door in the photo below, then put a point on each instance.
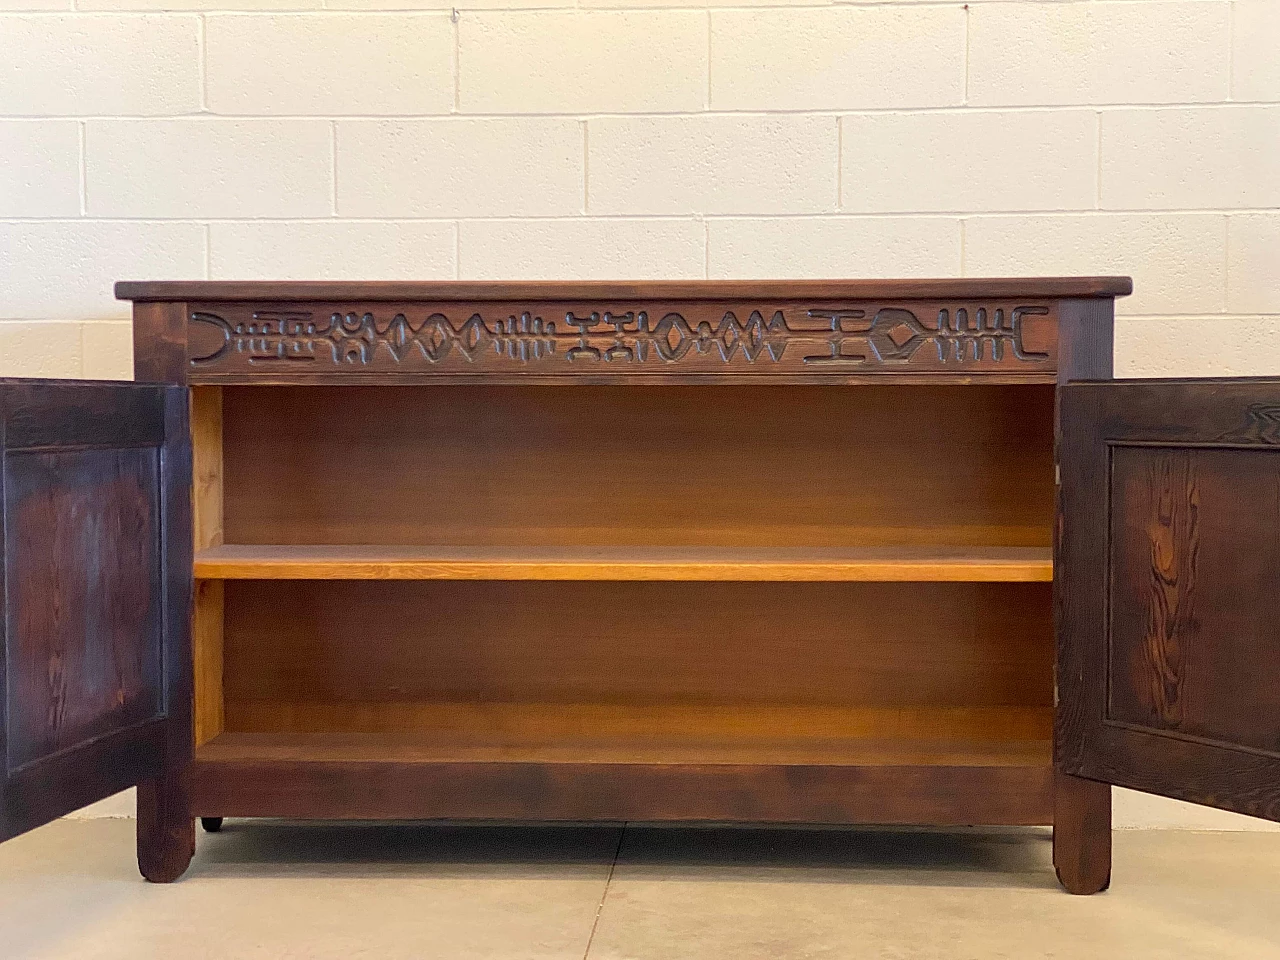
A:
(95, 563)
(1169, 589)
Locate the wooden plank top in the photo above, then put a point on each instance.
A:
(935, 564)
(396, 290)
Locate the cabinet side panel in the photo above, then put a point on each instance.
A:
(1086, 339)
(160, 342)
(206, 444)
(207, 659)
(206, 452)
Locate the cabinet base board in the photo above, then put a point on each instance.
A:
(534, 791)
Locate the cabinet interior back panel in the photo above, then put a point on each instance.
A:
(664, 466)
(891, 645)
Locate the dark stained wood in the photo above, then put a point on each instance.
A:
(834, 331)
(84, 652)
(895, 422)
(1082, 808)
(969, 288)
(96, 588)
(48, 415)
(377, 777)
(160, 342)
(166, 828)
(610, 377)
(1169, 659)
(1086, 339)
(620, 340)
(1189, 642)
(65, 782)
(1081, 834)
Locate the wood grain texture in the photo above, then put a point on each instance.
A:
(917, 700)
(206, 452)
(95, 618)
(207, 660)
(166, 825)
(647, 730)
(65, 782)
(738, 340)
(968, 288)
(1167, 659)
(639, 466)
(817, 644)
(1155, 537)
(1082, 834)
(1086, 339)
(244, 775)
(206, 445)
(936, 564)
(1192, 624)
(160, 342)
(56, 415)
(84, 651)
(566, 736)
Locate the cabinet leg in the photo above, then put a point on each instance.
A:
(211, 824)
(166, 829)
(1081, 834)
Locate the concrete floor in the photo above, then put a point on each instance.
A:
(272, 890)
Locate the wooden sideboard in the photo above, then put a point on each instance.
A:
(709, 551)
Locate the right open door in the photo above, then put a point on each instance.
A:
(1168, 589)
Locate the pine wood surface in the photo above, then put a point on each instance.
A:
(938, 564)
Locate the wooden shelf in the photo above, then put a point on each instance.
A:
(622, 726)
(937, 564)
(636, 748)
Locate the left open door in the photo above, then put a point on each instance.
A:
(95, 593)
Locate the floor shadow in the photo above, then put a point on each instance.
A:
(1018, 857)
(352, 848)
(965, 857)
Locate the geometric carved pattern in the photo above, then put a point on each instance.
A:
(570, 338)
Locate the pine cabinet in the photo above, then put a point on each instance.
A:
(762, 552)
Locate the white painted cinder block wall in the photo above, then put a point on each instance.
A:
(380, 139)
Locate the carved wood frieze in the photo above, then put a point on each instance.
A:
(307, 341)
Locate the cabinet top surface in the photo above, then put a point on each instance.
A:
(966, 288)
